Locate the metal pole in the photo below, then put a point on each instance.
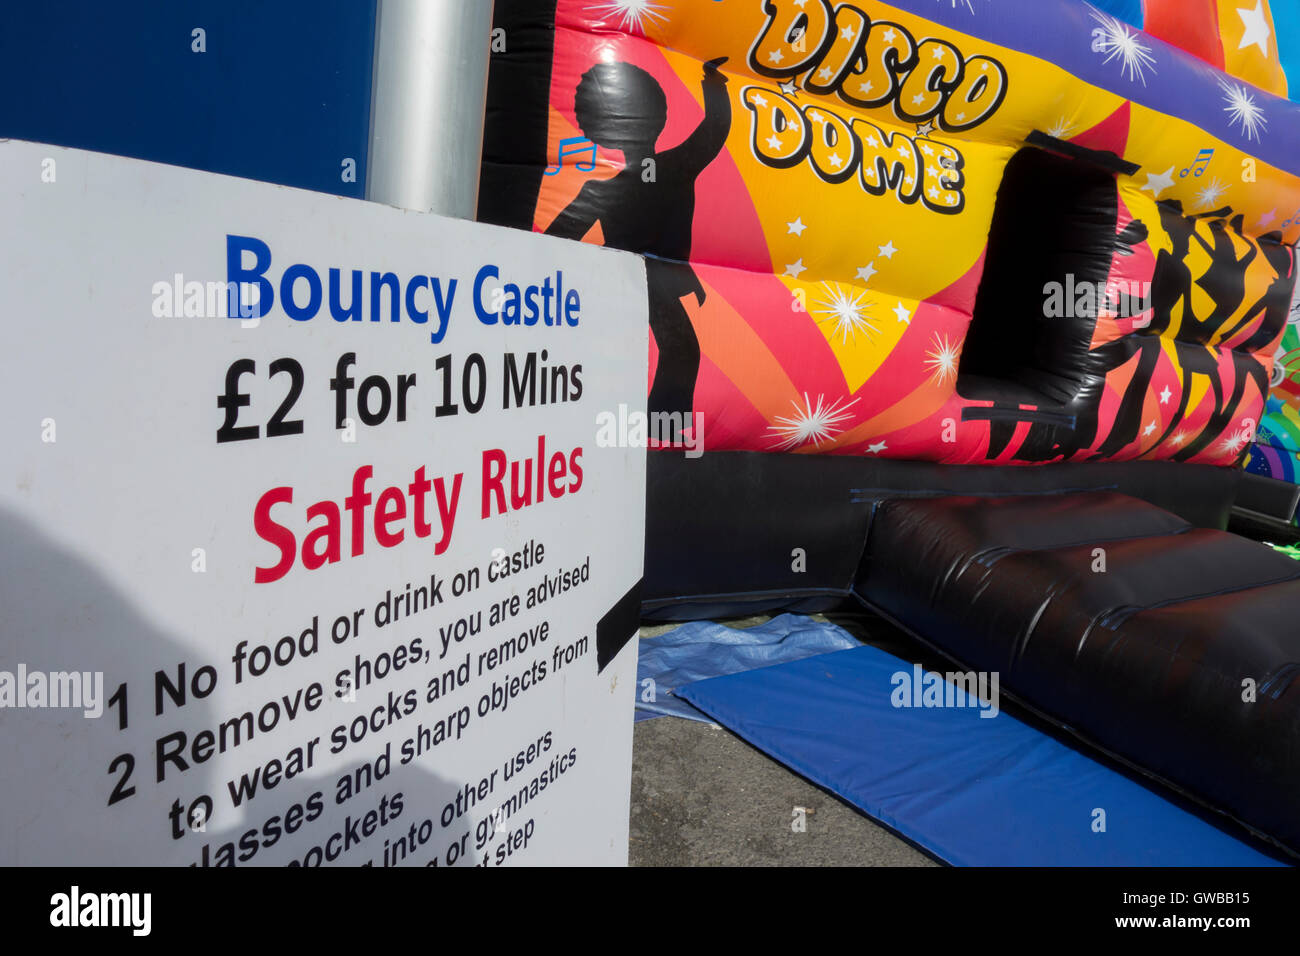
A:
(428, 95)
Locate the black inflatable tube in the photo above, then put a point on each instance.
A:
(724, 531)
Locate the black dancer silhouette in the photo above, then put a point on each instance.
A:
(1275, 303)
(649, 207)
(1047, 441)
(1225, 283)
(1171, 295)
(1171, 285)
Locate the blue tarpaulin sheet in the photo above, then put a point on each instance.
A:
(703, 649)
(972, 790)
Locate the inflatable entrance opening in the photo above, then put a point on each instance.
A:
(1012, 346)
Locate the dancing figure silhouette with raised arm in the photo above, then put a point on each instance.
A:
(649, 206)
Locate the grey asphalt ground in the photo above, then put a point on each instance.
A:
(701, 796)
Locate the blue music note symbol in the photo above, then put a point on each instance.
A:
(574, 145)
(1202, 160)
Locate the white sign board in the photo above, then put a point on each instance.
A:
(345, 579)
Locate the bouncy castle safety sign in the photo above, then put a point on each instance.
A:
(308, 552)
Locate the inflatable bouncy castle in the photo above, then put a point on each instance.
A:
(969, 309)
(871, 233)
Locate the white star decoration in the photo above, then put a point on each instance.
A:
(794, 268)
(866, 272)
(635, 14)
(1151, 427)
(876, 448)
(1210, 195)
(1158, 184)
(902, 314)
(849, 313)
(796, 228)
(888, 250)
(809, 424)
(1256, 28)
(1119, 41)
(1164, 396)
(1061, 129)
(1237, 441)
(1243, 109)
(942, 360)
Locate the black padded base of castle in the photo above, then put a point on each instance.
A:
(1173, 648)
(1106, 595)
(742, 532)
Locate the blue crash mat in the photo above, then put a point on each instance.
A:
(703, 649)
(972, 790)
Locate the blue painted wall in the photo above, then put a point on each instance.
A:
(282, 93)
(1131, 12)
(1286, 21)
